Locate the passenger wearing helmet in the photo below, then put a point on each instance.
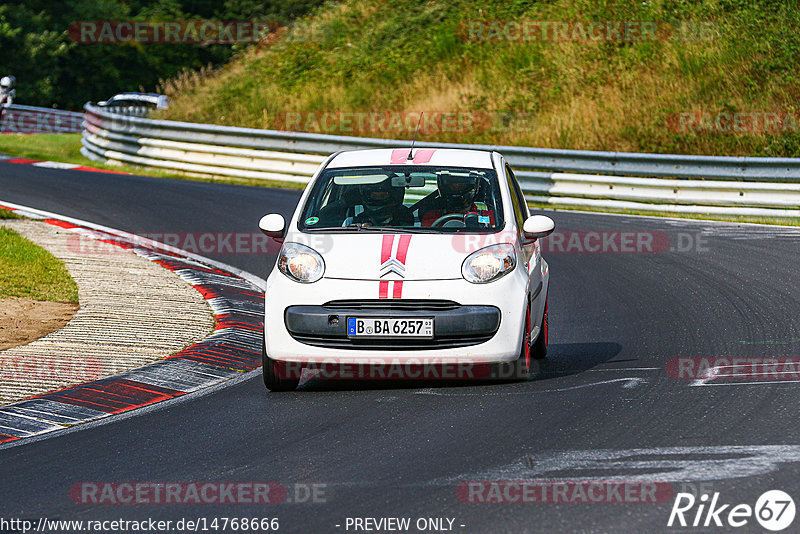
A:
(7, 91)
(382, 205)
(457, 196)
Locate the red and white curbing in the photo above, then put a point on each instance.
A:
(55, 165)
(237, 302)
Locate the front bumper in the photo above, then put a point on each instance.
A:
(454, 325)
(508, 295)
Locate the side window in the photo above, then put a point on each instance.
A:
(520, 207)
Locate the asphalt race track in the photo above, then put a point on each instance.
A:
(605, 405)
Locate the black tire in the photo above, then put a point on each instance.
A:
(539, 348)
(272, 375)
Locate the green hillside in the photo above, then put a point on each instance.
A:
(41, 45)
(698, 77)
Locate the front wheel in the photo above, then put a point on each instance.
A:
(539, 349)
(522, 368)
(275, 372)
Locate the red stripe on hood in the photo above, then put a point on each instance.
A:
(383, 290)
(386, 248)
(398, 290)
(402, 248)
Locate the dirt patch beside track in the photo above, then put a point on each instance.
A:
(25, 320)
(132, 312)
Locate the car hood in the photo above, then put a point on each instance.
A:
(367, 256)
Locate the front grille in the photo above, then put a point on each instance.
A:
(393, 344)
(454, 325)
(393, 304)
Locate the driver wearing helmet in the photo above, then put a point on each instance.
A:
(7, 91)
(383, 205)
(457, 197)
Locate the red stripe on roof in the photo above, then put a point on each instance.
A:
(399, 156)
(423, 155)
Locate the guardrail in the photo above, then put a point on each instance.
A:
(732, 186)
(28, 119)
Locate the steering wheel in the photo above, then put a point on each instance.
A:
(450, 217)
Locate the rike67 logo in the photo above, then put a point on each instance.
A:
(774, 510)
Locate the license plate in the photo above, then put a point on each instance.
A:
(379, 327)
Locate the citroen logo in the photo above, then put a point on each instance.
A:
(392, 265)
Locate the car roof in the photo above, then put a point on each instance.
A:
(121, 99)
(445, 157)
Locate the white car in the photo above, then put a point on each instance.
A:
(406, 258)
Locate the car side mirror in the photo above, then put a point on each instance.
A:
(538, 226)
(273, 225)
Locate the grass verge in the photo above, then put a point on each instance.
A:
(29, 271)
(790, 221)
(51, 147)
(5, 214)
(65, 148)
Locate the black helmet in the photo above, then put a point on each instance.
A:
(381, 198)
(458, 190)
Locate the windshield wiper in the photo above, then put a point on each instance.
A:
(394, 229)
(364, 227)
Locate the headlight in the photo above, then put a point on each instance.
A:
(300, 263)
(489, 263)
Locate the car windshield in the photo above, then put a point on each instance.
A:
(405, 198)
